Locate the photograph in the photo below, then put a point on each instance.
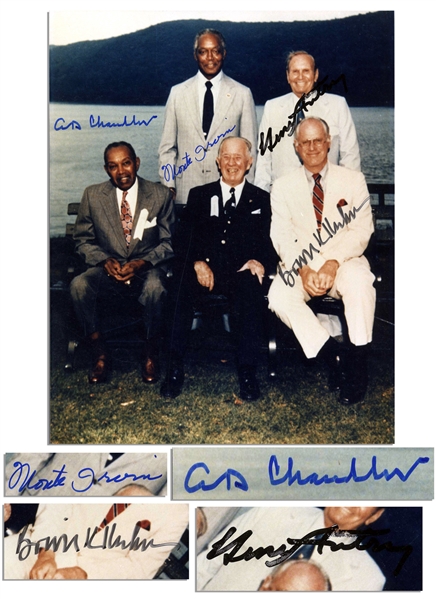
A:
(335, 548)
(186, 301)
(120, 541)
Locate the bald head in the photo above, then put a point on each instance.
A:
(296, 575)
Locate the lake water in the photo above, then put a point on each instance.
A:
(76, 155)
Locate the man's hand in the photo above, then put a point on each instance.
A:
(327, 274)
(318, 283)
(256, 268)
(129, 270)
(204, 274)
(123, 273)
(112, 267)
(74, 573)
(310, 280)
(45, 566)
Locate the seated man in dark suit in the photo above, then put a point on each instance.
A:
(227, 251)
(123, 233)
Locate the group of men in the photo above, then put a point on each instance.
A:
(307, 171)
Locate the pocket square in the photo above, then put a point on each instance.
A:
(214, 206)
(143, 224)
(342, 203)
(258, 211)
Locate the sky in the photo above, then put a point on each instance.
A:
(67, 27)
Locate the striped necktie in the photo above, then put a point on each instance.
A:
(115, 510)
(126, 218)
(318, 199)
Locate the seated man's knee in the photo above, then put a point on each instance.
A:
(154, 287)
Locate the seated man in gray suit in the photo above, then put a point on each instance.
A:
(123, 233)
(200, 112)
(281, 115)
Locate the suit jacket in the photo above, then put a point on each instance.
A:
(351, 570)
(293, 226)
(98, 232)
(234, 114)
(167, 523)
(245, 239)
(344, 149)
(45, 465)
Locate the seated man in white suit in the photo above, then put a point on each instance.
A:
(277, 159)
(321, 225)
(96, 541)
(199, 113)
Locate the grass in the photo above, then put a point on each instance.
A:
(296, 408)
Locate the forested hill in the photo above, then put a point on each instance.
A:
(140, 68)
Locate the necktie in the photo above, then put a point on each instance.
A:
(230, 205)
(115, 510)
(126, 218)
(207, 108)
(318, 199)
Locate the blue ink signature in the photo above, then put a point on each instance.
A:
(316, 479)
(94, 122)
(23, 471)
(100, 123)
(239, 483)
(118, 478)
(276, 478)
(170, 171)
(41, 484)
(210, 144)
(307, 254)
(59, 125)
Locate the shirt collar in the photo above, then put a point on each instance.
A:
(225, 190)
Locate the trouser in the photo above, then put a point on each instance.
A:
(353, 284)
(94, 286)
(245, 296)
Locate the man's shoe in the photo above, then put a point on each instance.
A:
(173, 383)
(100, 363)
(355, 376)
(248, 385)
(150, 370)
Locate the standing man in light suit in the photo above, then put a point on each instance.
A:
(123, 233)
(321, 225)
(277, 159)
(200, 112)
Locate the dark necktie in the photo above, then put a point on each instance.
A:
(318, 199)
(230, 205)
(126, 218)
(207, 108)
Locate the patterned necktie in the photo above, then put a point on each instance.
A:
(318, 199)
(230, 205)
(115, 510)
(207, 108)
(126, 218)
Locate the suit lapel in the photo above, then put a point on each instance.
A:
(109, 206)
(225, 99)
(192, 105)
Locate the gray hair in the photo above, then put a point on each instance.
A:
(298, 53)
(209, 31)
(311, 118)
(246, 141)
